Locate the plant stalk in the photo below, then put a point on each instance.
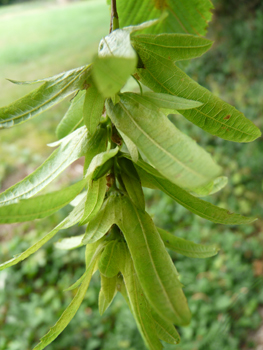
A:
(114, 23)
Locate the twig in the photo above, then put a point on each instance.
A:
(114, 23)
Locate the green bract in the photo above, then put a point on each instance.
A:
(129, 143)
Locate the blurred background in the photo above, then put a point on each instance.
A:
(225, 293)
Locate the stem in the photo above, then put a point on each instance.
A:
(114, 23)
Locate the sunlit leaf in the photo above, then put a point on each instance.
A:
(39, 207)
(211, 188)
(71, 148)
(214, 116)
(97, 165)
(165, 329)
(190, 16)
(69, 243)
(47, 95)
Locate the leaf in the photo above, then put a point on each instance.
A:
(95, 198)
(111, 73)
(41, 206)
(165, 330)
(50, 93)
(197, 206)
(73, 119)
(174, 47)
(190, 16)
(98, 144)
(211, 188)
(69, 243)
(96, 166)
(132, 183)
(106, 217)
(153, 265)
(214, 116)
(93, 108)
(130, 146)
(92, 255)
(67, 315)
(72, 219)
(174, 154)
(172, 103)
(71, 148)
(139, 306)
(116, 61)
(187, 248)
(110, 259)
(107, 292)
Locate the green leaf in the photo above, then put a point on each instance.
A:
(165, 330)
(106, 217)
(67, 315)
(73, 119)
(190, 16)
(69, 243)
(50, 93)
(93, 108)
(174, 47)
(97, 144)
(72, 147)
(72, 219)
(95, 198)
(187, 248)
(110, 259)
(111, 73)
(39, 207)
(197, 206)
(132, 148)
(153, 265)
(132, 183)
(172, 103)
(97, 165)
(116, 61)
(92, 255)
(214, 116)
(139, 305)
(173, 153)
(211, 188)
(107, 292)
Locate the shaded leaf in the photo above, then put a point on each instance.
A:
(110, 259)
(39, 207)
(67, 315)
(173, 153)
(93, 108)
(165, 330)
(72, 219)
(153, 265)
(50, 93)
(106, 217)
(187, 248)
(95, 198)
(73, 119)
(196, 205)
(107, 292)
(211, 188)
(71, 148)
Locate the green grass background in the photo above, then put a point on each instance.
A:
(225, 293)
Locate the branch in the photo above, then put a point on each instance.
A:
(114, 23)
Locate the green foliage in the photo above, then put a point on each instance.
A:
(121, 238)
